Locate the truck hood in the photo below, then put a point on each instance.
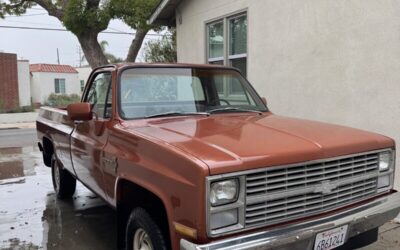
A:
(236, 142)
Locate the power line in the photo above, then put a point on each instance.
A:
(54, 29)
(24, 15)
(52, 25)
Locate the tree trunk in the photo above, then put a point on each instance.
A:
(136, 44)
(92, 49)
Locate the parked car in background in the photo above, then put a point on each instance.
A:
(191, 157)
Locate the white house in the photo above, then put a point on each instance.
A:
(53, 78)
(24, 87)
(334, 61)
(83, 75)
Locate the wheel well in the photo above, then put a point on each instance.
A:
(48, 151)
(130, 196)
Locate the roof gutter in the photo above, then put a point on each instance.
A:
(157, 11)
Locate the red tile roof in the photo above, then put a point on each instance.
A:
(55, 68)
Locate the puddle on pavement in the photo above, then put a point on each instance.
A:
(18, 162)
(31, 217)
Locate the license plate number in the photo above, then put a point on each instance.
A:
(330, 239)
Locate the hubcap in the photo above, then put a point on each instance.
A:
(141, 240)
(56, 178)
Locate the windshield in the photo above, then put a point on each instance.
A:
(149, 92)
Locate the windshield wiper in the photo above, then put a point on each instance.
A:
(233, 109)
(176, 113)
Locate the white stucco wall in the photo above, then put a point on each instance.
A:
(42, 84)
(83, 73)
(24, 87)
(334, 61)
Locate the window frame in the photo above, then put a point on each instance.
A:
(109, 90)
(82, 83)
(57, 83)
(221, 58)
(226, 58)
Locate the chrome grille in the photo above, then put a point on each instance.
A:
(281, 194)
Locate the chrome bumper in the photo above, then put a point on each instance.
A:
(302, 235)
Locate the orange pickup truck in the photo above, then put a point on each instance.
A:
(191, 158)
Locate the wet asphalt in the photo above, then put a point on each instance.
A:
(30, 215)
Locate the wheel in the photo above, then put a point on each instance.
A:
(63, 182)
(142, 233)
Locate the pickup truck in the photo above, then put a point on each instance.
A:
(190, 157)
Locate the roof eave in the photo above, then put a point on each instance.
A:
(158, 16)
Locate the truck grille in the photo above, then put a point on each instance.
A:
(281, 194)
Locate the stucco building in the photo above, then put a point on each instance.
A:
(53, 78)
(334, 61)
(83, 75)
(14, 82)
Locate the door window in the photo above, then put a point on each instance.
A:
(100, 95)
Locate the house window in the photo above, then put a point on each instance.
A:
(216, 43)
(231, 51)
(59, 86)
(238, 43)
(82, 85)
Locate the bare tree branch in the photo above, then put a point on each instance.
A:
(52, 8)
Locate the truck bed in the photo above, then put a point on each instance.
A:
(53, 123)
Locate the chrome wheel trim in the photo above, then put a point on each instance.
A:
(141, 240)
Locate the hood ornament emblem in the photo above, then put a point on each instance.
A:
(325, 187)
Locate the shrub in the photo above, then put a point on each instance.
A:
(1, 106)
(57, 100)
(22, 109)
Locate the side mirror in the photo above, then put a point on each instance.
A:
(81, 111)
(264, 100)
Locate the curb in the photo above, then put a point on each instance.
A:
(19, 125)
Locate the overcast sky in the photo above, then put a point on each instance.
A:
(39, 46)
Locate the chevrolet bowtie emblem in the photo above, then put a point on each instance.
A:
(325, 187)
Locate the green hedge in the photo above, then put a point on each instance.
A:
(62, 100)
(22, 109)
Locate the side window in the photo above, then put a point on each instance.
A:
(99, 95)
(82, 85)
(59, 86)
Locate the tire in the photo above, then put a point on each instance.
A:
(141, 224)
(63, 182)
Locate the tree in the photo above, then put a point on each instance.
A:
(110, 57)
(163, 50)
(87, 18)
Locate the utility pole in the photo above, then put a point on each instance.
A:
(58, 57)
(80, 55)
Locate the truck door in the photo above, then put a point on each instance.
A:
(90, 137)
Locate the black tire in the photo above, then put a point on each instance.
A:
(65, 185)
(141, 220)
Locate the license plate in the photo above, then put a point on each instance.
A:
(330, 239)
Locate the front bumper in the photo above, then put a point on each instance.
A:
(302, 235)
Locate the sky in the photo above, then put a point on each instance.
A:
(39, 46)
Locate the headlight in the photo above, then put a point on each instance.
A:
(224, 192)
(224, 219)
(385, 159)
(386, 163)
